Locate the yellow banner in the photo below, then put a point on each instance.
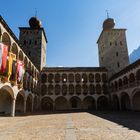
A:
(11, 58)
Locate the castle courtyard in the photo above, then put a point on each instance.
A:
(72, 126)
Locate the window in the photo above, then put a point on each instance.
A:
(30, 42)
(110, 43)
(121, 43)
(118, 64)
(117, 54)
(115, 43)
(24, 42)
(35, 42)
(29, 53)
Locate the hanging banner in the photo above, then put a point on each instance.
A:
(20, 71)
(4, 58)
(12, 66)
(1, 54)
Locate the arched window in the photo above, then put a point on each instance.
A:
(131, 78)
(77, 78)
(57, 78)
(98, 89)
(43, 78)
(138, 75)
(91, 77)
(97, 77)
(50, 78)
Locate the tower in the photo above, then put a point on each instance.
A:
(112, 47)
(34, 42)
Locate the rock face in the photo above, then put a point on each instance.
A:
(135, 55)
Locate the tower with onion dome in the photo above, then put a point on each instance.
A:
(34, 42)
(112, 47)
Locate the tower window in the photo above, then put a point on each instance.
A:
(35, 42)
(102, 59)
(24, 42)
(115, 43)
(121, 43)
(110, 43)
(117, 53)
(118, 64)
(30, 42)
(29, 53)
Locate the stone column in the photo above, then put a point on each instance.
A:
(13, 107)
(24, 105)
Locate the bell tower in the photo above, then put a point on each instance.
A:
(112, 47)
(34, 42)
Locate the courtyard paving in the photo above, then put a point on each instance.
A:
(72, 126)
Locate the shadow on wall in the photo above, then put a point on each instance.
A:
(131, 120)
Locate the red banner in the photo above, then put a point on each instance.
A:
(4, 58)
(20, 70)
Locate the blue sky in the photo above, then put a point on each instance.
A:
(73, 26)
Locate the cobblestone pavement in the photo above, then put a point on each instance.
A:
(72, 126)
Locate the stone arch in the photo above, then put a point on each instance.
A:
(14, 49)
(102, 103)
(78, 89)
(43, 78)
(85, 89)
(71, 77)
(89, 103)
(104, 77)
(43, 89)
(35, 103)
(136, 99)
(91, 77)
(64, 78)
(75, 103)
(61, 103)
(71, 89)
(84, 78)
(138, 75)
(105, 89)
(97, 77)
(50, 89)
(125, 101)
(64, 89)
(120, 83)
(6, 97)
(57, 78)
(116, 85)
(29, 102)
(98, 89)
(50, 78)
(131, 78)
(21, 55)
(6, 40)
(47, 104)
(25, 62)
(77, 77)
(115, 102)
(29, 65)
(112, 86)
(57, 89)
(19, 108)
(91, 89)
(125, 80)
